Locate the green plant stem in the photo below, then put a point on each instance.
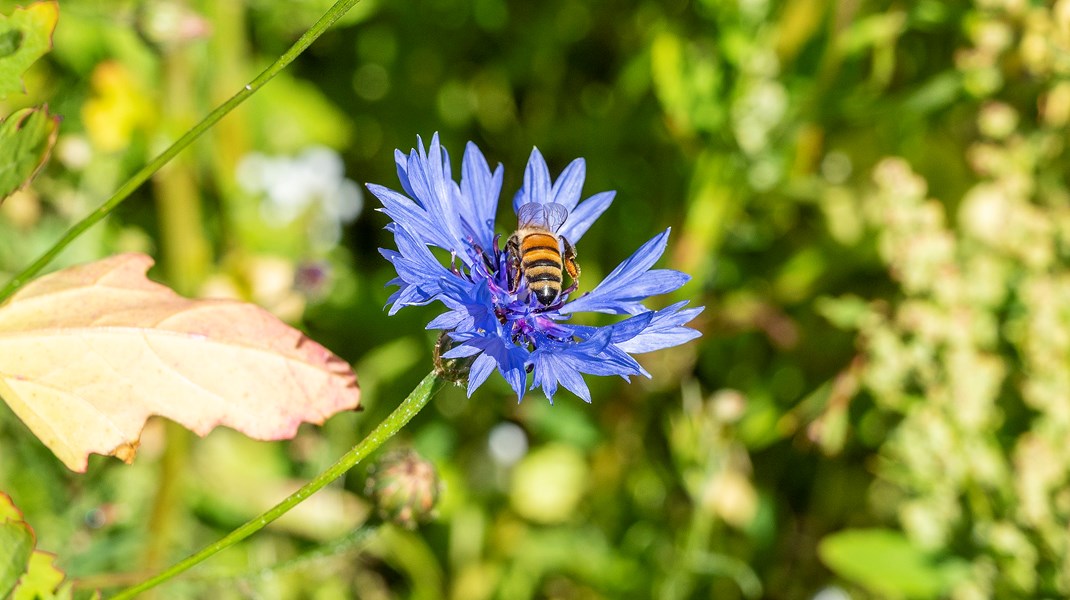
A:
(336, 11)
(186, 257)
(384, 431)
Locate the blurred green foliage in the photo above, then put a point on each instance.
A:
(871, 197)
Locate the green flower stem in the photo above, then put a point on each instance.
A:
(384, 431)
(333, 14)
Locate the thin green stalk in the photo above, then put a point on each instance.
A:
(186, 256)
(333, 14)
(384, 431)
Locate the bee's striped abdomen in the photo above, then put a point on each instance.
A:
(541, 261)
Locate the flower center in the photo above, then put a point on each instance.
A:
(522, 317)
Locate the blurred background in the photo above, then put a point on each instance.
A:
(871, 198)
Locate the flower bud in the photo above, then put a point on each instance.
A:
(454, 370)
(404, 487)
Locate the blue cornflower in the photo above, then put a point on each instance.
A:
(492, 321)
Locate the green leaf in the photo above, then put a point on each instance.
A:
(25, 36)
(887, 564)
(300, 115)
(8, 512)
(845, 312)
(16, 546)
(687, 83)
(10, 42)
(43, 581)
(30, 573)
(26, 138)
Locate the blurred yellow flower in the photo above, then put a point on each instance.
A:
(118, 108)
(548, 484)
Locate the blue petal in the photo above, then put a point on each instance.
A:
(623, 290)
(599, 357)
(511, 360)
(657, 281)
(401, 160)
(581, 219)
(664, 330)
(408, 296)
(614, 361)
(545, 373)
(435, 190)
(536, 186)
(479, 371)
(509, 357)
(410, 215)
(420, 276)
(472, 299)
(630, 327)
(461, 351)
(447, 320)
(415, 263)
(438, 212)
(563, 363)
(574, 383)
(482, 189)
(569, 184)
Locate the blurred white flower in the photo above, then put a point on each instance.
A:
(507, 443)
(312, 182)
(832, 592)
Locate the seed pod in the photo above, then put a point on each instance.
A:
(404, 487)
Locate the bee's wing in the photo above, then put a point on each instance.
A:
(556, 214)
(531, 215)
(536, 214)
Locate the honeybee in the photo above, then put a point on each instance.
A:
(535, 254)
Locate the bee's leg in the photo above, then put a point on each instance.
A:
(494, 260)
(571, 266)
(512, 249)
(484, 257)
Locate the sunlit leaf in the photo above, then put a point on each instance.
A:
(16, 546)
(301, 114)
(8, 512)
(886, 563)
(26, 138)
(686, 84)
(845, 312)
(43, 580)
(25, 36)
(26, 573)
(87, 354)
